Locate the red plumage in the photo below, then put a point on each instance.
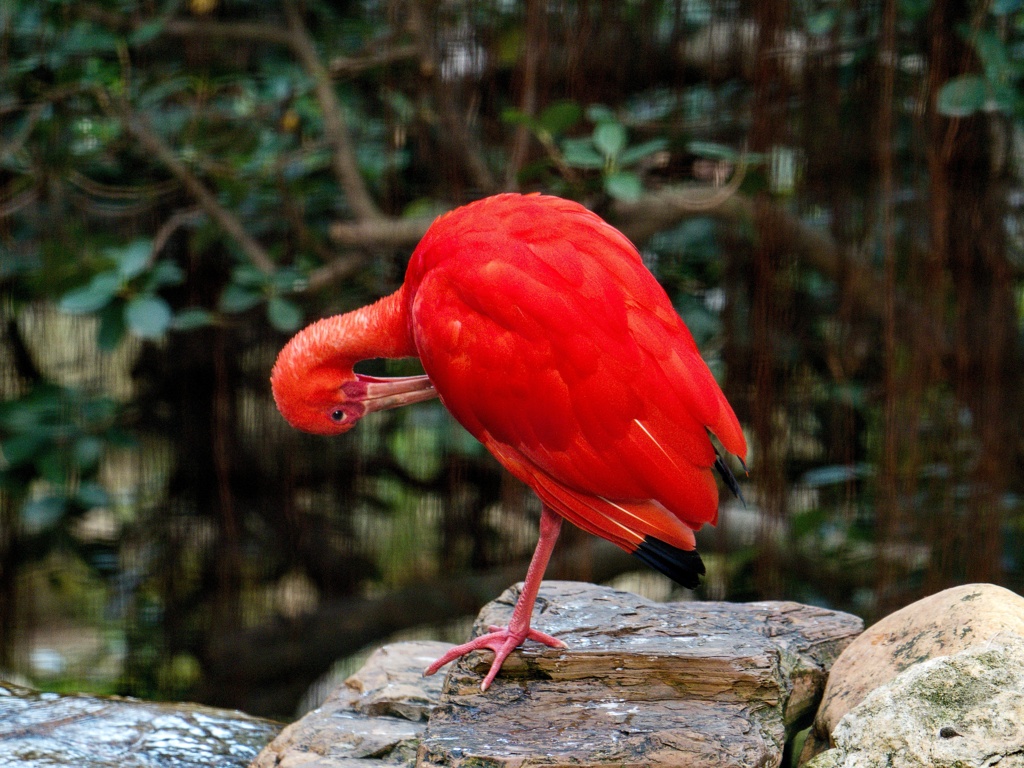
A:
(545, 336)
(548, 339)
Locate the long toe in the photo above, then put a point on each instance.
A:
(502, 641)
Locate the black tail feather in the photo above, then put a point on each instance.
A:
(728, 477)
(683, 566)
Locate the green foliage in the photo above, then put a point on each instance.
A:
(52, 440)
(607, 149)
(126, 296)
(250, 287)
(996, 88)
(220, 223)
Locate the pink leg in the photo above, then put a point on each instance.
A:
(504, 640)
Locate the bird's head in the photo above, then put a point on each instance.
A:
(316, 389)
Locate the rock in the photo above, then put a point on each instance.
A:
(48, 729)
(942, 624)
(375, 718)
(965, 710)
(641, 683)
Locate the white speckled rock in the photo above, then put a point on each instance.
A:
(960, 711)
(939, 625)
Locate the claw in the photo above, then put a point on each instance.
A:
(502, 641)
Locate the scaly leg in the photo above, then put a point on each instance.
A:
(504, 640)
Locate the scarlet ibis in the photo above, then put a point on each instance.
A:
(545, 336)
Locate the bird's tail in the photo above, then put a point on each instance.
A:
(683, 566)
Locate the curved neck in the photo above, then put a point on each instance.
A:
(378, 330)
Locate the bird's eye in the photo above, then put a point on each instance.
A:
(338, 415)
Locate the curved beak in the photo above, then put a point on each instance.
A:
(381, 394)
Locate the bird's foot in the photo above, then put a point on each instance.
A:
(502, 641)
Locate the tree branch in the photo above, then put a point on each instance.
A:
(813, 247)
(228, 31)
(454, 133)
(154, 143)
(353, 65)
(343, 157)
(338, 269)
(399, 233)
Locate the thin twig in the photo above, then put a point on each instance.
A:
(169, 227)
(381, 232)
(153, 142)
(535, 31)
(354, 65)
(343, 156)
(333, 271)
(228, 31)
(455, 133)
(15, 203)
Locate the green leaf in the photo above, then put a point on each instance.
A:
(1004, 96)
(133, 258)
(91, 494)
(249, 276)
(580, 153)
(99, 411)
(712, 151)
(238, 298)
(610, 139)
(914, 9)
(40, 514)
(148, 316)
(962, 96)
(514, 116)
(1003, 7)
(146, 32)
(994, 57)
(20, 449)
(191, 318)
(288, 279)
(111, 328)
(560, 116)
(822, 22)
(87, 451)
(638, 152)
(52, 465)
(599, 113)
(624, 185)
(164, 273)
(285, 315)
(93, 296)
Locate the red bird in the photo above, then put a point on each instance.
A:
(545, 336)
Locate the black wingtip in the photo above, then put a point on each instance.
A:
(683, 566)
(728, 477)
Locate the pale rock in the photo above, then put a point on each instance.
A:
(965, 710)
(939, 625)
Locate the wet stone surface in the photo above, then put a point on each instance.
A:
(641, 683)
(47, 729)
(376, 718)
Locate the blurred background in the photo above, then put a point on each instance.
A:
(829, 190)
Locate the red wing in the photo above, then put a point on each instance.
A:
(564, 356)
